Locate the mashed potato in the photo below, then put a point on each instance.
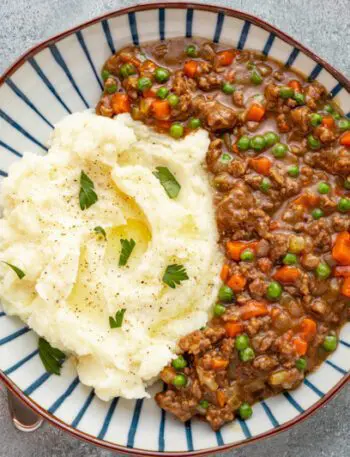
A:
(73, 283)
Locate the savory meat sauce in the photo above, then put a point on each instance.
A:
(279, 159)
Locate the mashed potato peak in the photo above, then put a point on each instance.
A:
(73, 282)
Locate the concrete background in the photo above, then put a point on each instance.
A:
(322, 25)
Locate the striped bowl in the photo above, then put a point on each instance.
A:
(62, 76)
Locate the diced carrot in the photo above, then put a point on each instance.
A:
(287, 275)
(308, 329)
(161, 109)
(275, 312)
(342, 271)
(295, 84)
(345, 139)
(126, 57)
(235, 149)
(235, 248)
(149, 93)
(225, 58)
(300, 345)
(120, 103)
(307, 200)
(233, 328)
(225, 271)
(237, 282)
(328, 122)
(148, 66)
(274, 225)
(253, 308)
(261, 165)
(190, 68)
(163, 126)
(341, 248)
(345, 289)
(221, 398)
(219, 364)
(255, 113)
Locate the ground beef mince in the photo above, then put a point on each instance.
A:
(279, 161)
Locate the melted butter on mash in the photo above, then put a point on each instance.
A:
(73, 282)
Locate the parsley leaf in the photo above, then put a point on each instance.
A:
(118, 320)
(127, 248)
(100, 231)
(51, 358)
(168, 181)
(87, 195)
(174, 274)
(17, 270)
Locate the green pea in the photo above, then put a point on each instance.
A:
(162, 92)
(347, 183)
(256, 77)
(241, 342)
(265, 185)
(243, 143)
(336, 116)
(290, 259)
(257, 143)
(226, 158)
(179, 363)
(204, 404)
(344, 124)
(144, 83)
(219, 310)
(271, 138)
(245, 411)
(286, 92)
(162, 75)
(314, 143)
(299, 98)
(344, 205)
(247, 255)
(247, 354)
(323, 188)
(180, 380)
(228, 88)
(301, 364)
(112, 88)
(315, 119)
(176, 130)
(330, 343)
(328, 108)
(191, 50)
(317, 213)
(127, 69)
(226, 294)
(274, 290)
(194, 123)
(323, 270)
(279, 150)
(173, 100)
(293, 171)
(105, 74)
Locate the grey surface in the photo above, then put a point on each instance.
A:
(322, 25)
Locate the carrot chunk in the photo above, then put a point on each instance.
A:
(261, 165)
(287, 275)
(345, 139)
(342, 271)
(341, 248)
(253, 308)
(295, 84)
(308, 329)
(161, 109)
(225, 271)
(300, 346)
(345, 289)
(221, 398)
(237, 282)
(225, 58)
(219, 364)
(190, 68)
(255, 113)
(233, 329)
(328, 122)
(235, 248)
(120, 103)
(307, 200)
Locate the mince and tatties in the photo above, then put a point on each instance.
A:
(279, 161)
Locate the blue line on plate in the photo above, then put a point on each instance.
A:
(36, 384)
(2, 314)
(82, 43)
(161, 441)
(269, 414)
(218, 28)
(83, 409)
(108, 35)
(21, 362)
(3, 173)
(14, 335)
(161, 19)
(189, 21)
(244, 427)
(315, 72)
(269, 43)
(10, 148)
(335, 91)
(133, 28)
(314, 388)
(134, 423)
(293, 55)
(219, 438)
(189, 439)
(54, 407)
(345, 343)
(108, 419)
(293, 402)
(244, 34)
(336, 367)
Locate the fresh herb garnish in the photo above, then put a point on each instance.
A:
(17, 270)
(117, 322)
(174, 274)
(51, 358)
(127, 248)
(87, 195)
(168, 181)
(100, 231)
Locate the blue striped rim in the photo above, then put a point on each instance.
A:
(293, 402)
(83, 409)
(336, 367)
(14, 335)
(26, 100)
(36, 384)
(315, 72)
(219, 438)
(59, 59)
(48, 84)
(244, 34)
(54, 407)
(161, 439)
(161, 20)
(293, 55)
(269, 414)
(10, 148)
(21, 362)
(218, 28)
(108, 35)
(335, 91)
(189, 21)
(82, 43)
(348, 115)
(3, 173)
(133, 28)
(189, 439)
(313, 387)
(134, 423)
(345, 343)
(2, 314)
(108, 419)
(244, 428)
(269, 44)
(20, 129)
